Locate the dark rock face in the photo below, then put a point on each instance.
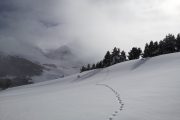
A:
(15, 71)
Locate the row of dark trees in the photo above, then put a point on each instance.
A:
(169, 44)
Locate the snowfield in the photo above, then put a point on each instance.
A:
(145, 89)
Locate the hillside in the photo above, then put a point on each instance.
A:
(59, 63)
(15, 71)
(144, 89)
(56, 63)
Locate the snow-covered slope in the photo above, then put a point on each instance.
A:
(147, 89)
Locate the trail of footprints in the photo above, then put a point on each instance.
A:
(121, 104)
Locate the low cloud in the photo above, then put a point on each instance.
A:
(96, 25)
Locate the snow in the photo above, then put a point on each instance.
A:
(145, 89)
(56, 63)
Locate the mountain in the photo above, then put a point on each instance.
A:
(62, 53)
(55, 63)
(144, 89)
(15, 71)
(66, 59)
(59, 63)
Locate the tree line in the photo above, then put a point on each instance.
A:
(169, 44)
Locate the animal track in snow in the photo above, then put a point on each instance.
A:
(121, 104)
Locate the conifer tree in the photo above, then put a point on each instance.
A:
(93, 66)
(88, 67)
(151, 46)
(169, 44)
(107, 59)
(101, 64)
(123, 56)
(146, 51)
(115, 57)
(155, 49)
(161, 47)
(83, 69)
(178, 42)
(134, 53)
(116, 52)
(97, 65)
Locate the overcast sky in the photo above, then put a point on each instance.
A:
(97, 25)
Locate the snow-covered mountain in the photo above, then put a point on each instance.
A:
(64, 57)
(62, 53)
(57, 63)
(144, 89)
(15, 71)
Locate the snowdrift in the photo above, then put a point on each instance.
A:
(145, 89)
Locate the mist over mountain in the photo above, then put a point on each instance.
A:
(98, 25)
(61, 62)
(54, 63)
(63, 35)
(89, 59)
(15, 71)
(62, 53)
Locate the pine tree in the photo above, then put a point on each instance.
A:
(178, 42)
(135, 53)
(169, 44)
(115, 56)
(155, 49)
(115, 51)
(97, 65)
(88, 67)
(93, 66)
(107, 59)
(101, 64)
(151, 49)
(123, 56)
(151, 46)
(161, 47)
(146, 51)
(83, 69)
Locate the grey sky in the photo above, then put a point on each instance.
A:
(98, 25)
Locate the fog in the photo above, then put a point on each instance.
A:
(90, 26)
